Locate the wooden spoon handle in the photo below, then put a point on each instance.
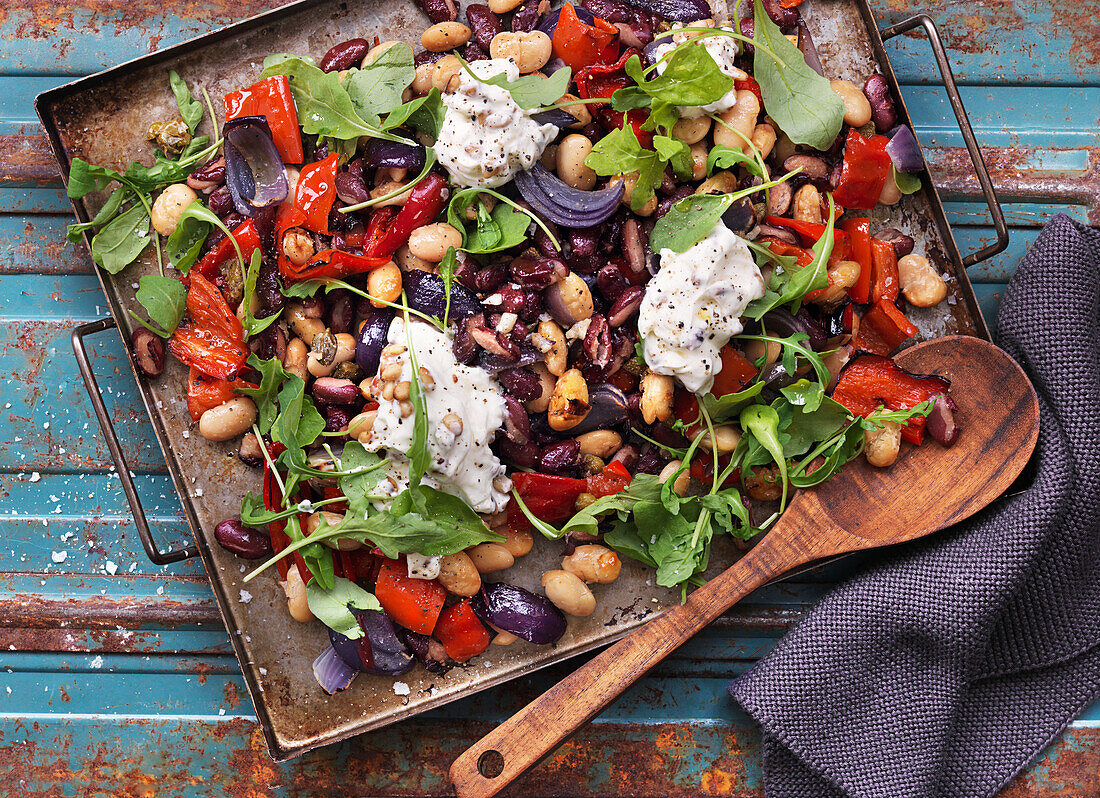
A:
(542, 725)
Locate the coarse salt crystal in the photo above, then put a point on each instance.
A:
(245, 597)
(400, 688)
(58, 556)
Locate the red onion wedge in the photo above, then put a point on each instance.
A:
(254, 170)
(331, 672)
(904, 150)
(562, 204)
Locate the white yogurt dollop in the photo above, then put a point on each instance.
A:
(723, 50)
(461, 462)
(693, 307)
(486, 138)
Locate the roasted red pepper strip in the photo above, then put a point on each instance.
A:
(580, 45)
(613, 479)
(883, 328)
(869, 381)
(315, 193)
(425, 202)
(412, 603)
(864, 172)
(212, 340)
(748, 83)
(885, 278)
(549, 497)
(205, 392)
(247, 238)
(810, 232)
(860, 232)
(602, 80)
(803, 257)
(334, 264)
(461, 632)
(737, 371)
(271, 99)
(380, 221)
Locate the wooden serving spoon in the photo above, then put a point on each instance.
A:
(929, 488)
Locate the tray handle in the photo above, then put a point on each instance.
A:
(155, 554)
(925, 21)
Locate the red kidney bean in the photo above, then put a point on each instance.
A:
(521, 383)
(538, 273)
(650, 461)
(474, 51)
(560, 458)
(244, 541)
(532, 307)
(312, 307)
(666, 203)
(464, 347)
(611, 282)
(522, 456)
(344, 55)
(270, 343)
(634, 245)
(543, 242)
(148, 351)
(748, 27)
(209, 177)
(597, 341)
(626, 306)
(517, 426)
(782, 233)
(783, 17)
(903, 244)
(627, 455)
(336, 418)
(882, 104)
(812, 167)
(582, 241)
(495, 343)
(526, 17)
(334, 391)
(440, 10)
(267, 286)
(490, 278)
(220, 202)
(779, 199)
(484, 24)
(519, 333)
(512, 299)
(341, 312)
(351, 188)
(426, 57)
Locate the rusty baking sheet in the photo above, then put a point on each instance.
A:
(102, 119)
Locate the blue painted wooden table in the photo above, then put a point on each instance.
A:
(116, 678)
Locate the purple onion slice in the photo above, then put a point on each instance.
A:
(254, 171)
(331, 672)
(904, 150)
(426, 293)
(524, 614)
(674, 10)
(372, 339)
(562, 204)
(393, 154)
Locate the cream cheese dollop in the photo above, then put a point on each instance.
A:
(461, 461)
(723, 50)
(693, 307)
(485, 137)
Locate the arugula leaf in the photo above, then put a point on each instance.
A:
(620, 153)
(494, 231)
(682, 549)
(799, 100)
(730, 513)
(376, 88)
(690, 78)
(74, 232)
(625, 538)
(191, 110)
(906, 183)
(331, 606)
(266, 394)
(324, 106)
(419, 454)
(166, 171)
(303, 289)
(796, 282)
(531, 91)
(362, 475)
(725, 407)
(762, 422)
(423, 114)
(84, 178)
(164, 299)
(447, 268)
(298, 423)
(688, 222)
(802, 426)
(122, 240)
(721, 157)
(185, 242)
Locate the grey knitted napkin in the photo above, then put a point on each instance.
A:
(945, 666)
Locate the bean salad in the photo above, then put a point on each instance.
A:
(600, 273)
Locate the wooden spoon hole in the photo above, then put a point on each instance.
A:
(490, 764)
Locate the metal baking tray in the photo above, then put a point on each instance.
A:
(102, 118)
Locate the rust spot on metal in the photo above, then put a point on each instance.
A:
(1016, 178)
(27, 160)
(1071, 766)
(35, 612)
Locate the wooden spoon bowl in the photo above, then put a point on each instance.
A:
(928, 489)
